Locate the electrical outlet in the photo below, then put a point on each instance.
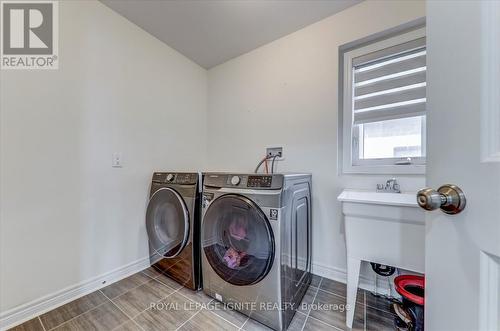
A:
(273, 151)
(117, 160)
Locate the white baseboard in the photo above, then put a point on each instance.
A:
(44, 304)
(340, 275)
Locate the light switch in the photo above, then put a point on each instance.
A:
(117, 160)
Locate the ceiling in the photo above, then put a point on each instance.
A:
(211, 32)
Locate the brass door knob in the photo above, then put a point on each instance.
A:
(449, 198)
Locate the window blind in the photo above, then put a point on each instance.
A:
(390, 83)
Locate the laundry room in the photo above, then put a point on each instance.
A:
(249, 165)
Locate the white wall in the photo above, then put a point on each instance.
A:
(66, 215)
(285, 94)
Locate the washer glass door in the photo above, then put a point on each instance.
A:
(237, 240)
(167, 222)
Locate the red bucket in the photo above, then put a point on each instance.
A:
(411, 287)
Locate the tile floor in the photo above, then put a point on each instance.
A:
(125, 306)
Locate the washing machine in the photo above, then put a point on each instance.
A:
(256, 243)
(173, 226)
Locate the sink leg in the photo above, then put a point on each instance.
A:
(353, 266)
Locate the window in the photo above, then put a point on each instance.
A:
(384, 101)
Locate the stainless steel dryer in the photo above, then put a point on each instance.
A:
(256, 243)
(172, 223)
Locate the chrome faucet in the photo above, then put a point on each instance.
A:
(391, 186)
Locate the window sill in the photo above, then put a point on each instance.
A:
(385, 169)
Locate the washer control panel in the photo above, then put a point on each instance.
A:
(244, 181)
(259, 181)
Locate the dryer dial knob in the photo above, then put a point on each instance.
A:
(235, 180)
(170, 177)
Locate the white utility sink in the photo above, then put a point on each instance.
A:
(379, 198)
(385, 228)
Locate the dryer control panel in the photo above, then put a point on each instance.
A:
(182, 178)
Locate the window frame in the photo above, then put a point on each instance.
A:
(351, 163)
